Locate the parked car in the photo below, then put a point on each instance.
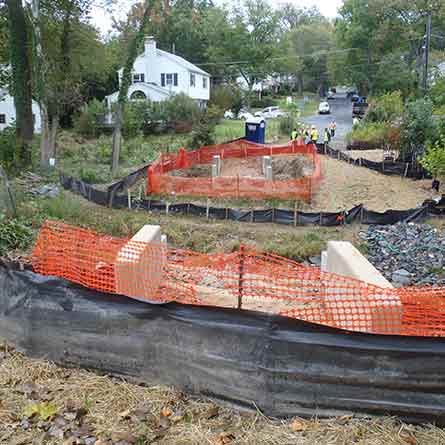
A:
(355, 98)
(229, 114)
(271, 113)
(331, 95)
(360, 107)
(244, 115)
(324, 108)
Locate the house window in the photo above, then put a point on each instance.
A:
(138, 95)
(139, 78)
(192, 80)
(2, 118)
(169, 79)
(204, 82)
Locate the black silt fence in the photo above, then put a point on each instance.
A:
(252, 360)
(277, 216)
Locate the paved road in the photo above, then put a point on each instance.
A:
(341, 112)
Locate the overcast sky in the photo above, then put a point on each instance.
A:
(102, 19)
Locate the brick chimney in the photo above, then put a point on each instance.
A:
(150, 46)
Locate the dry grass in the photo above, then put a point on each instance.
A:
(113, 411)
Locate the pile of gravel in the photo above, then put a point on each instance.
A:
(407, 253)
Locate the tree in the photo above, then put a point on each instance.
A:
(247, 43)
(21, 87)
(125, 84)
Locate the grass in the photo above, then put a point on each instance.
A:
(195, 233)
(111, 408)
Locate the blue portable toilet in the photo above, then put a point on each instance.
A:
(256, 130)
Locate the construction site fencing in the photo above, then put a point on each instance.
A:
(245, 279)
(357, 214)
(161, 181)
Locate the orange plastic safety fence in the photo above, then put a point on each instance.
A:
(247, 279)
(159, 181)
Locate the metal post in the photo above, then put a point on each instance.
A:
(129, 198)
(241, 276)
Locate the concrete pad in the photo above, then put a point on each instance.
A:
(365, 312)
(139, 266)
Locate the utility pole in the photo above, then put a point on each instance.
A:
(427, 51)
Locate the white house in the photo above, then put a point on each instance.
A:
(157, 75)
(8, 115)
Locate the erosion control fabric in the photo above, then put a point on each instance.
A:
(280, 366)
(246, 279)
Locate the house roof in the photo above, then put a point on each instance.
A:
(186, 64)
(179, 60)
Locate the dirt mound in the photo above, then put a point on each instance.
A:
(284, 168)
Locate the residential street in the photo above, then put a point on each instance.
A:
(341, 112)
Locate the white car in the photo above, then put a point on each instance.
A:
(229, 114)
(245, 115)
(324, 108)
(271, 113)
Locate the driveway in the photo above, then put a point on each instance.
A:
(341, 112)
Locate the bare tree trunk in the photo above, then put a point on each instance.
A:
(53, 135)
(117, 139)
(300, 84)
(45, 149)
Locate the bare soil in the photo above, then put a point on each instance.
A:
(284, 167)
(345, 185)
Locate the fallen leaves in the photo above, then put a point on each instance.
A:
(43, 410)
(224, 438)
(298, 425)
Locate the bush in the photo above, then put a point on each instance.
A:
(372, 134)
(7, 148)
(204, 129)
(182, 108)
(87, 122)
(386, 108)
(418, 127)
(265, 101)
(286, 125)
(434, 159)
(227, 97)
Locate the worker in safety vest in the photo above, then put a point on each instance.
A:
(333, 128)
(326, 136)
(294, 134)
(314, 134)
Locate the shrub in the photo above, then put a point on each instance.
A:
(433, 160)
(265, 101)
(373, 134)
(204, 129)
(87, 122)
(182, 108)
(227, 97)
(386, 108)
(286, 125)
(418, 127)
(7, 148)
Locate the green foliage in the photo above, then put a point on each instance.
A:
(418, 127)
(14, 234)
(87, 121)
(433, 161)
(437, 96)
(204, 129)
(227, 97)
(386, 108)
(182, 108)
(8, 146)
(375, 133)
(42, 410)
(263, 102)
